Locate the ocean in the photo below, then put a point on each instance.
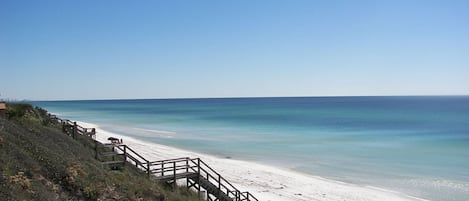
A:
(417, 145)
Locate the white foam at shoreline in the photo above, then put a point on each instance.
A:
(264, 182)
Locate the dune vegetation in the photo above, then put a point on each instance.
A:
(39, 162)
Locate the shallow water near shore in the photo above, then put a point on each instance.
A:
(415, 145)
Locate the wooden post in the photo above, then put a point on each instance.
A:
(219, 186)
(187, 170)
(198, 178)
(162, 168)
(125, 154)
(148, 168)
(174, 174)
(96, 150)
(75, 130)
(113, 150)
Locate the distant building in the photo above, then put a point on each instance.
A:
(3, 108)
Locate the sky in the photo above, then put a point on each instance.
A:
(115, 49)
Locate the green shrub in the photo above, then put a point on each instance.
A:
(17, 110)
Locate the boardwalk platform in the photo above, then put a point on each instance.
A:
(185, 175)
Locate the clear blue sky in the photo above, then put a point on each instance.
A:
(180, 49)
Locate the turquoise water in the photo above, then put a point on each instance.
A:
(415, 145)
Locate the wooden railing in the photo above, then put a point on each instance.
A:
(172, 169)
(181, 166)
(72, 128)
(134, 158)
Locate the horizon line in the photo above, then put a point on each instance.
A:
(235, 97)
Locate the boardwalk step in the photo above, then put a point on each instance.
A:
(113, 163)
(109, 145)
(209, 186)
(212, 189)
(190, 175)
(106, 154)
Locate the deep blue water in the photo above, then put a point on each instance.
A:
(416, 145)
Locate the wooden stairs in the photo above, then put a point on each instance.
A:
(107, 154)
(197, 174)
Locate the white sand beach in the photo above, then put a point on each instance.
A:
(264, 182)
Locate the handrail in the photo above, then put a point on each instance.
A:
(131, 150)
(169, 160)
(196, 165)
(214, 172)
(79, 129)
(137, 162)
(130, 154)
(217, 174)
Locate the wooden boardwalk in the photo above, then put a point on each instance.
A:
(196, 173)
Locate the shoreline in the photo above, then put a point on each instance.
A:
(264, 182)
